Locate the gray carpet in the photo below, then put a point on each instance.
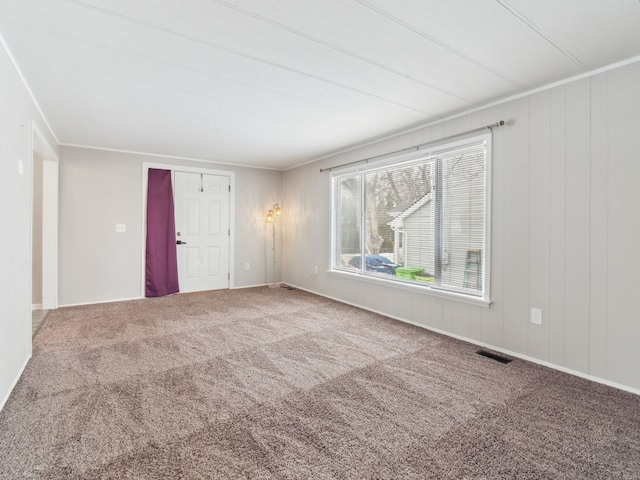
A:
(278, 384)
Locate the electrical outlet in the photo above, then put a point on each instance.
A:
(315, 270)
(536, 316)
(121, 227)
(247, 266)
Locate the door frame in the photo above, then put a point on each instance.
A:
(50, 186)
(181, 168)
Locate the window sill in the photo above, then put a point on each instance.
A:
(409, 287)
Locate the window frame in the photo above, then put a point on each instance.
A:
(399, 160)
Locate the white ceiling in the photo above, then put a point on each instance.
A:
(276, 83)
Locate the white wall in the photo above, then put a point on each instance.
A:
(100, 188)
(565, 229)
(17, 115)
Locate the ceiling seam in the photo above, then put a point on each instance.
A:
(246, 56)
(513, 11)
(342, 50)
(438, 42)
(391, 135)
(169, 156)
(200, 72)
(191, 93)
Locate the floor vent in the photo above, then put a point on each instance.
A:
(493, 356)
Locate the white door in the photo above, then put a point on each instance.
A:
(202, 231)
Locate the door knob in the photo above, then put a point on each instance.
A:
(180, 242)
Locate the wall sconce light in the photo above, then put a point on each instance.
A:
(272, 214)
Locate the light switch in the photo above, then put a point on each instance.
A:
(536, 316)
(20, 166)
(121, 227)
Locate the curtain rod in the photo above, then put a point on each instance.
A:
(415, 147)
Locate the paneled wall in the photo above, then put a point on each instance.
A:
(565, 228)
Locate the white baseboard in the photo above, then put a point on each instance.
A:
(142, 298)
(553, 366)
(36, 306)
(250, 286)
(13, 385)
(99, 302)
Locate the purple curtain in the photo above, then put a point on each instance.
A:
(162, 263)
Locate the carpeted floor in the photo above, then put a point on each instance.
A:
(279, 384)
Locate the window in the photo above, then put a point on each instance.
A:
(420, 219)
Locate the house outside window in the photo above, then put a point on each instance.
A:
(419, 219)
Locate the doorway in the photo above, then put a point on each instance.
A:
(44, 228)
